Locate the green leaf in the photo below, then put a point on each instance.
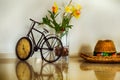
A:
(56, 15)
(51, 14)
(69, 26)
(46, 20)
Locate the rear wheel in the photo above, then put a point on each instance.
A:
(24, 48)
(48, 49)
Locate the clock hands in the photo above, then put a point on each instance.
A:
(24, 49)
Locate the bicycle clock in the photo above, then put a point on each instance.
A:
(46, 43)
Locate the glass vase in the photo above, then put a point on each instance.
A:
(64, 37)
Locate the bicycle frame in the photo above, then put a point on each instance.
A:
(41, 39)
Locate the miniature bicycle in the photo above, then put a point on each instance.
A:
(26, 46)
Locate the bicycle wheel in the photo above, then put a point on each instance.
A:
(24, 48)
(48, 49)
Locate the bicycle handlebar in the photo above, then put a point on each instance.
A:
(36, 21)
(39, 24)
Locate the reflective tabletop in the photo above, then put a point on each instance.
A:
(74, 69)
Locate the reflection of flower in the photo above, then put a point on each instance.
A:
(69, 11)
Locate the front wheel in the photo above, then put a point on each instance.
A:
(24, 48)
(48, 49)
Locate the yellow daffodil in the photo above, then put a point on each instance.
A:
(55, 8)
(68, 9)
(76, 10)
(76, 13)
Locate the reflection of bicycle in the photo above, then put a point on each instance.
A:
(27, 45)
(25, 71)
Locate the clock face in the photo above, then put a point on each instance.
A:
(23, 48)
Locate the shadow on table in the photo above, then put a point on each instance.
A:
(86, 49)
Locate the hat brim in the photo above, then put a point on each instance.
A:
(101, 59)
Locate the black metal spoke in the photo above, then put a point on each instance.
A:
(45, 48)
(47, 55)
(54, 43)
(46, 52)
(50, 56)
(53, 55)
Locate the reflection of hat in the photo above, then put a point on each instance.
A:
(102, 71)
(105, 75)
(100, 67)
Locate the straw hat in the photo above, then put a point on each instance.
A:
(104, 52)
(105, 46)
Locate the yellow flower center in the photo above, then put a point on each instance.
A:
(68, 9)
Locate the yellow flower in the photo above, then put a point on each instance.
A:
(76, 10)
(76, 13)
(68, 9)
(55, 8)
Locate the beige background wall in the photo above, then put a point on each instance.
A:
(100, 19)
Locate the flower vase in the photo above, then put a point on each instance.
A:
(65, 42)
